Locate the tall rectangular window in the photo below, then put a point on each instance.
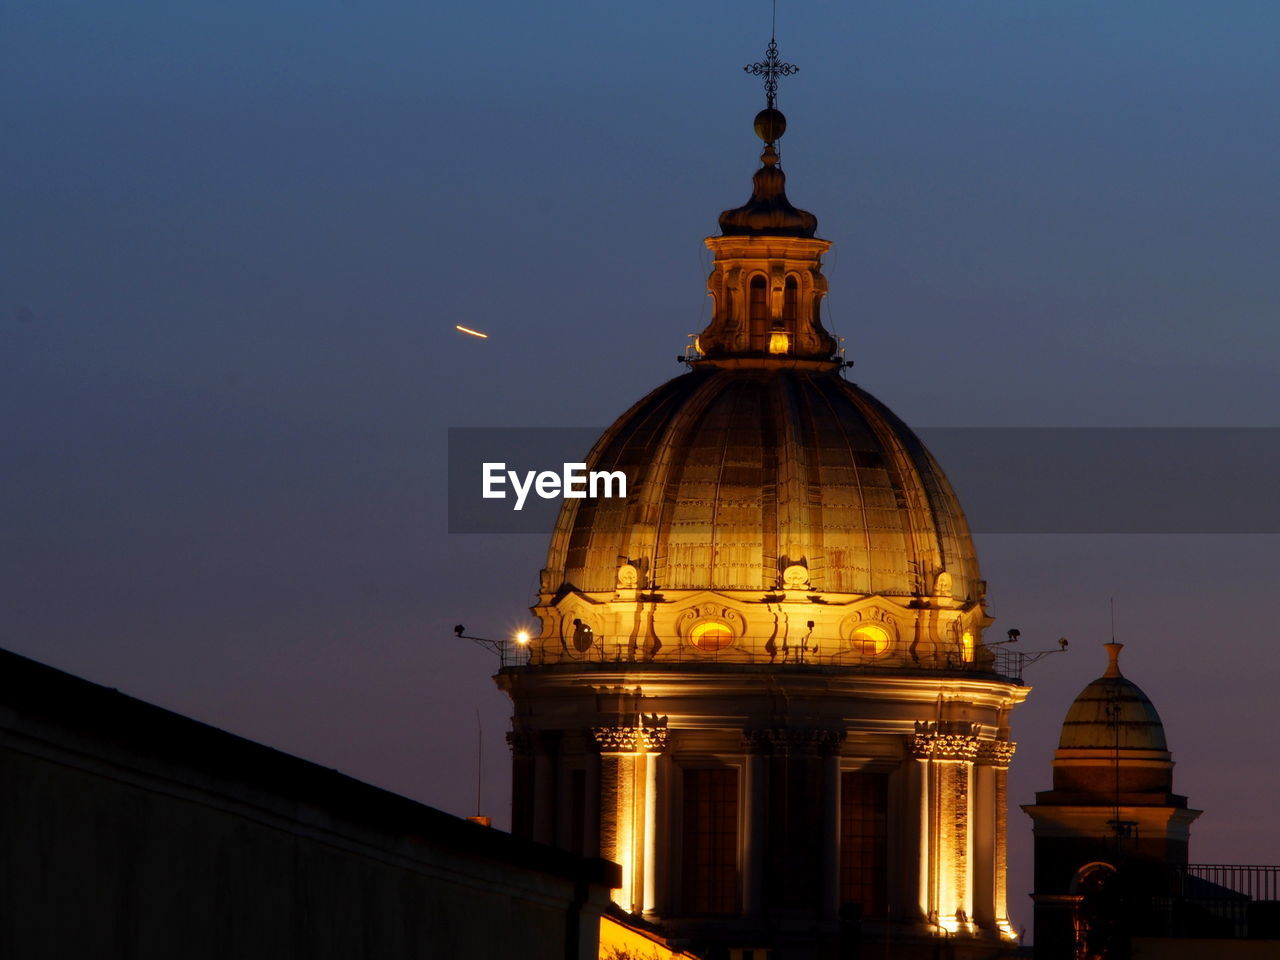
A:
(864, 838)
(710, 849)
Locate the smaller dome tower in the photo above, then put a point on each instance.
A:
(1112, 818)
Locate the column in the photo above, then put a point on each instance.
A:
(522, 795)
(994, 757)
(917, 820)
(546, 748)
(948, 749)
(618, 755)
(629, 755)
(756, 748)
(829, 752)
(653, 741)
(650, 831)
(663, 892)
(984, 843)
(591, 807)
(908, 873)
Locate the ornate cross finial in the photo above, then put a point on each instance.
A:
(771, 68)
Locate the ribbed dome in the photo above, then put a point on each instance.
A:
(735, 473)
(1112, 711)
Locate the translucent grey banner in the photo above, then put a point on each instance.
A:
(1009, 480)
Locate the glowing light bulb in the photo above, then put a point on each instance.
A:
(522, 637)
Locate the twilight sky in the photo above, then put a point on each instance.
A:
(237, 236)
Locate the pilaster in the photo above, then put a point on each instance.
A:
(628, 806)
(948, 749)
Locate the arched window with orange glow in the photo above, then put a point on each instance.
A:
(966, 646)
(711, 635)
(870, 640)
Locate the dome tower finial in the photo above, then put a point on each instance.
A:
(770, 124)
(768, 212)
(1113, 659)
(766, 280)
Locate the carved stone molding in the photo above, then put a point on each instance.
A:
(997, 753)
(649, 735)
(617, 738)
(795, 577)
(766, 740)
(945, 740)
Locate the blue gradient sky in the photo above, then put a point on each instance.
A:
(237, 237)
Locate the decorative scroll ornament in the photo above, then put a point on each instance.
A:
(945, 740)
(648, 736)
(795, 577)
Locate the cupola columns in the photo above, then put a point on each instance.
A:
(767, 294)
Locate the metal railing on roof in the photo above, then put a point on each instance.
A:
(1217, 900)
(986, 661)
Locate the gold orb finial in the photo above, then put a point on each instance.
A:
(771, 124)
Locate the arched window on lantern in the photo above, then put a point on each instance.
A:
(790, 297)
(758, 305)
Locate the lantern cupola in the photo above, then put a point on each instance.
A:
(766, 278)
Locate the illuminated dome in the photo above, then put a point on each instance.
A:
(759, 682)
(763, 459)
(1112, 743)
(737, 473)
(1112, 712)
(774, 511)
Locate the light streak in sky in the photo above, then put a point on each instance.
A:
(474, 333)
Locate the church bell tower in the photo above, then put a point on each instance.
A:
(760, 683)
(1111, 828)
